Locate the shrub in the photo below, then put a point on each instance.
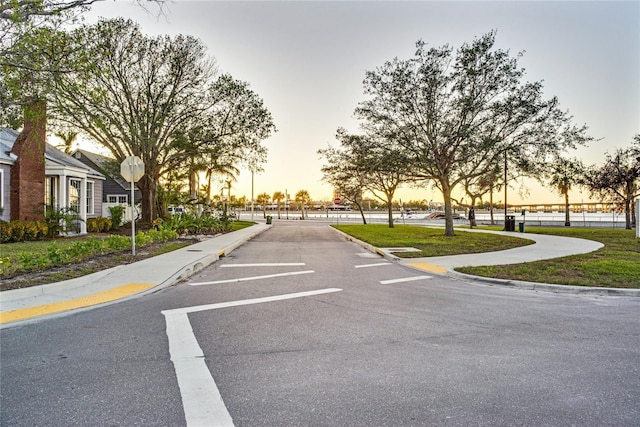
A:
(5, 232)
(92, 225)
(98, 225)
(59, 220)
(42, 229)
(117, 243)
(31, 230)
(16, 228)
(56, 256)
(4, 264)
(191, 223)
(116, 212)
(29, 261)
(106, 224)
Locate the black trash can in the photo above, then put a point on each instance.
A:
(510, 223)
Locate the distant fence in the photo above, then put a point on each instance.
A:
(126, 217)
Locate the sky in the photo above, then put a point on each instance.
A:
(307, 61)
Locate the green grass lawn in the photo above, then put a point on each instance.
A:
(239, 225)
(616, 265)
(38, 247)
(430, 241)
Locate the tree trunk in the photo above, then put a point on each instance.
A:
(567, 220)
(448, 211)
(193, 192)
(390, 211)
(491, 206)
(627, 213)
(147, 187)
(364, 220)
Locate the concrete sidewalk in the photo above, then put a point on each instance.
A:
(545, 247)
(119, 282)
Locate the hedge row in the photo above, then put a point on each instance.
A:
(19, 231)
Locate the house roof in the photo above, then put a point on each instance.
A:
(102, 163)
(7, 138)
(52, 154)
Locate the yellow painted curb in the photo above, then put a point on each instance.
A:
(57, 307)
(432, 268)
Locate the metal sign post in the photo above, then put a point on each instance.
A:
(133, 221)
(132, 169)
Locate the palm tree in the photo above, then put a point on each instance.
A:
(303, 198)
(564, 174)
(68, 137)
(278, 197)
(263, 199)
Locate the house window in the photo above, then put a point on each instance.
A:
(74, 195)
(50, 192)
(118, 198)
(90, 209)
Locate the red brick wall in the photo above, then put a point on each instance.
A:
(27, 174)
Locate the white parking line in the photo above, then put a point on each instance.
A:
(404, 279)
(265, 264)
(201, 399)
(246, 279)
(372, 265)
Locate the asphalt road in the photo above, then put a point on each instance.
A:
(300, 328)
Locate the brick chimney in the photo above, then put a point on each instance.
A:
(27, 174)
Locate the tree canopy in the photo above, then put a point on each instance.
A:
(455, 114)
(618, 179)
(366, 162)
(159, 98)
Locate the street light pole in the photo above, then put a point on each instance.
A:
(251, 194)
(505, 189)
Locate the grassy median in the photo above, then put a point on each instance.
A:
(430, 241)
(616, 265)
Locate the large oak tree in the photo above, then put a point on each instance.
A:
(158, 98)
(455, 114)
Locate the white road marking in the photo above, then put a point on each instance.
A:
(246, 279)
(266, 264)
(201, 399)
(372, 265)
(404, 279)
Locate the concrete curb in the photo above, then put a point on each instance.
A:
(546, 287)
(533, 286)
(199, 264)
